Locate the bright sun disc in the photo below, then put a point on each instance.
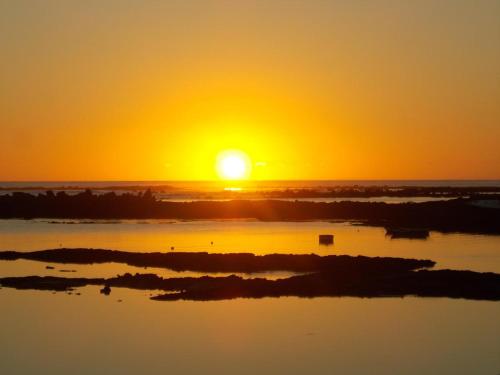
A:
(233, 165)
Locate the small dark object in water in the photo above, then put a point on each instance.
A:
(211, 242)
(49, 267)
(172, 248)
(106, 290)
(407, 233)
(326, 239)
(119, 300)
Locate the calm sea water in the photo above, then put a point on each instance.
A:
(45, 333)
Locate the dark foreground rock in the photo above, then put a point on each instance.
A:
(446, 283)
(236, 262)
(424, 283)
(48, 282)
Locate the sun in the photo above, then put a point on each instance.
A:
(233, 165)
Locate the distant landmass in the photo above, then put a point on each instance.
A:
(478, 213)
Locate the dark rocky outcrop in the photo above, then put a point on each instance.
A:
(212, 262)
(335, 275)
(48, 282)
(424, 283)
(106, 290)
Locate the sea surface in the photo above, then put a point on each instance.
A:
(127, 333)
(45, 333)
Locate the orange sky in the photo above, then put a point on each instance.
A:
(143, 90)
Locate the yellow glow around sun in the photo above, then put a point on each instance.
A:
(233, 165)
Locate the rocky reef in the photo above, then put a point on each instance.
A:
(327, 276)
(213, 262)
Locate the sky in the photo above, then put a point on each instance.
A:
(155, 90)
